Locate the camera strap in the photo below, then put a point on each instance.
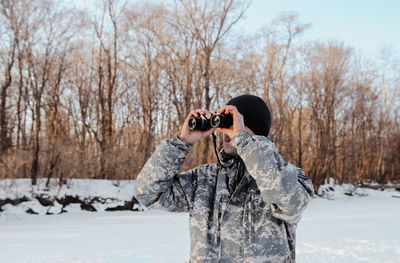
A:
(215, 149)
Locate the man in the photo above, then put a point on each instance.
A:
(244, 209)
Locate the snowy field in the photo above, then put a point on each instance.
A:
(347, 229)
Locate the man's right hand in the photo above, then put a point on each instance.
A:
(191, 136)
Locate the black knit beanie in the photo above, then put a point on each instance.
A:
(255, 111)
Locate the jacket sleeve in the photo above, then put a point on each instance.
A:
(281, 184)
(159, 183)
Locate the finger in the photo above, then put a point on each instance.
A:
(206, 112)
(224, 109)
(221, 110)
(195, 113)
(200, 111)
(191, 114)
(231, 110)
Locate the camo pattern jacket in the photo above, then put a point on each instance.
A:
(254, 223)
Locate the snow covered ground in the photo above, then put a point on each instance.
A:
(351, 229)
(360, 228)
(98, 194)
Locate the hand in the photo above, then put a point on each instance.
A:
(191, 136)
(238, 122)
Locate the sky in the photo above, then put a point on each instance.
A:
(366, 25)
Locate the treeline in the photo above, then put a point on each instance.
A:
(89, 93)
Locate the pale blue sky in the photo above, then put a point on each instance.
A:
(367, 25)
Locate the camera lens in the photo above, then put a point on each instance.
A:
(221, 120)
(192, 123)
(201, 123)
(216, 120)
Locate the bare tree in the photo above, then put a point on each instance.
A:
(327, 66)
(103, 86)
(11, 15)
(209, 22)
(45, 66)
(106, 28)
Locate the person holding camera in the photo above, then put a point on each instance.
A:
(243, 208)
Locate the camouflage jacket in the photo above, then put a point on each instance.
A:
(254, 223)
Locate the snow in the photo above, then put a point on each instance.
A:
(351, 229)
(82, 187)
(152, 236)
(364, 227)
(113, 193)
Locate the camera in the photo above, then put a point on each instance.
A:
(201, 123)
(206, 122)
(219, 120)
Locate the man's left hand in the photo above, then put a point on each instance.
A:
(238, 122)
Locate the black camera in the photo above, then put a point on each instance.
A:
(206, 122)
(219, 120)
(201, 123)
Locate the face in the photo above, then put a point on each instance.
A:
(227, 146)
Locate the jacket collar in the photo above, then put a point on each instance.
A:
(227, 159)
